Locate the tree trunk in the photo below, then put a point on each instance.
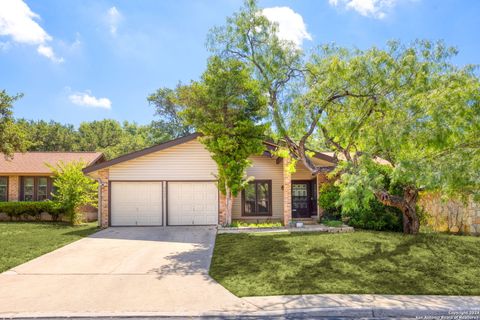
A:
(407, 204)
(228, 206)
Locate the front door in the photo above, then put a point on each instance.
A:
(301, 199)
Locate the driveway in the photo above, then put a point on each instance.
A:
(121, 271)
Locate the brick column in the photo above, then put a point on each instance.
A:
(287, 192)
(13, 188)
(222, 215)
(104, 205)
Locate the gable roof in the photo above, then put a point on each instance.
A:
(175, 142)
(143, 152)
(35, 162)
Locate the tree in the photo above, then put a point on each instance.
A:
(134, 137)
(99, 135)
(12, 138)
(408, 105)
(167, 108)
(226, 106)
(73, 189)
(49, 136)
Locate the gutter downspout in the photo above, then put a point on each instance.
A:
(99, 205)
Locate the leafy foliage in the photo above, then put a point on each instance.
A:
(168, 110)
(369, 215)
(108, 136)
(226, 107)
(24, 209)
(328, 197)
(408, 105)
(12, 138)
(49, 136)
(246, 224)
(73, 189)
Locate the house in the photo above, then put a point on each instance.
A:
(27, 177)
(173, 183)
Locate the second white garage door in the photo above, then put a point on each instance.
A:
(136, 203)
(192, 203)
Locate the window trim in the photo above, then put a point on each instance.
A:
(8, 188)
(270, 205)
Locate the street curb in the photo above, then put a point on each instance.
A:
(367, 312)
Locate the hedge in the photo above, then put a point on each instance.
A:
(24, 209)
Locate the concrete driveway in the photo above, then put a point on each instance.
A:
(121, 271)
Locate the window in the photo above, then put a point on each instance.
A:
(28, 189)
(257, 198)
(36, 188)
(42, 188)
(3, 188)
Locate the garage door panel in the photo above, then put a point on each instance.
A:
(136, 203)
(192, 203)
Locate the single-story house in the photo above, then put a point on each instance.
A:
(174, 183)
(27, 177)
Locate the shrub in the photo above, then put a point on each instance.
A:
(74, 189)
(265, 224)
(373, 216)
(23, 209)
(327, 199)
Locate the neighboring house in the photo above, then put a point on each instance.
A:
(174, 184)
(26, 176)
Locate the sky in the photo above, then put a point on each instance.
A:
(88, 60)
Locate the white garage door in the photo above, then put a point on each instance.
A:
(136, 203)
(192, 203)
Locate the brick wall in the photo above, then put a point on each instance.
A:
(287, 192)
(104, 207)
(13, 188)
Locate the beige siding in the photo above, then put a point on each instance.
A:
(264, 169)
(301, 173)
(187, 161)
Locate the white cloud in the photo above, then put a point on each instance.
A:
(18, 22)
(291, 26)
(85, 99)
(368, 8)
(113, 19)
(47, 51)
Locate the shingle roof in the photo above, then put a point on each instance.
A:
(35, 162)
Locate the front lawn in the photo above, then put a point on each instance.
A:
(23, 241)
(359, 262)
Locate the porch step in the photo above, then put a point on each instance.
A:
(306, 220)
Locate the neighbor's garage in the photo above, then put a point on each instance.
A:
(192, 203)
(136, 204)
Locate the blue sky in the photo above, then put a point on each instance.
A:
(88, 60)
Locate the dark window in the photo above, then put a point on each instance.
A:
(36, 188)
(42, 188)
(28, 188)
(3, 188)
(257, 198)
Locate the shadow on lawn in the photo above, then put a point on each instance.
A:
(423, 264)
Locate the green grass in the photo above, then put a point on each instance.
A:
(359, 262)
(332, 223)
(265, 224)
(23, 241)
